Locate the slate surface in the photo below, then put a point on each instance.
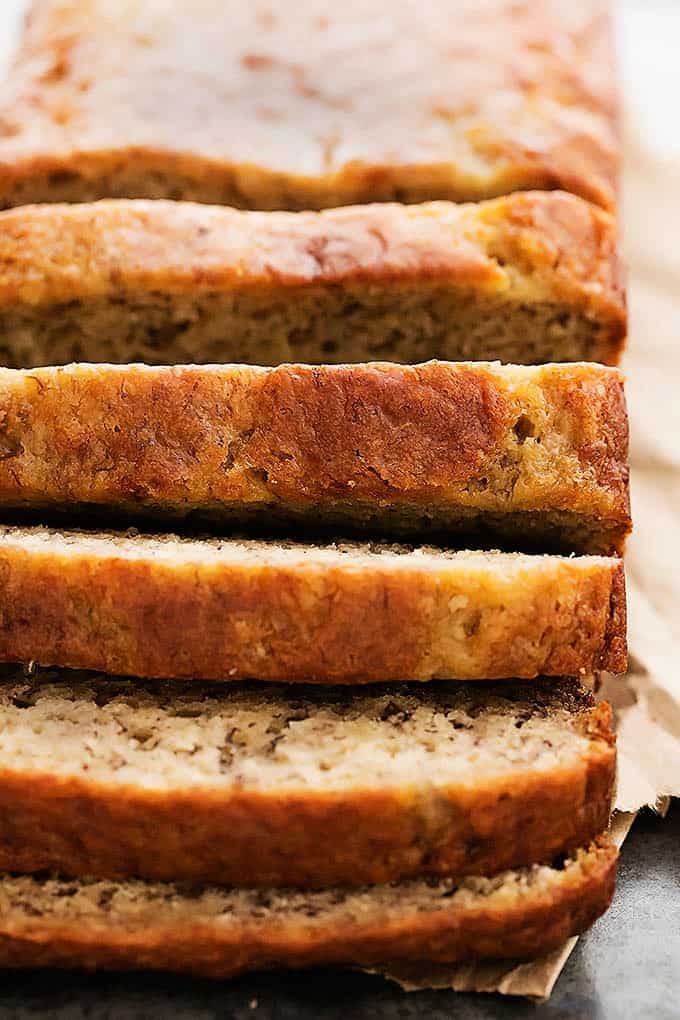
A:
(628, 966)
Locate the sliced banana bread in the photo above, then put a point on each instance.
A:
(268, 785)
(162, 606)
(524, 457)
(216, 932)
(261, 784)
(309, 104)
(529, 279)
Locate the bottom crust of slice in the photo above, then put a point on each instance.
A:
(215, 932)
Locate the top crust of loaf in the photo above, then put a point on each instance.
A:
(302, 106)
(527, 247)
(535, 455)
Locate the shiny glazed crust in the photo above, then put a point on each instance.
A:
(298, 106)
(525, 249)
(534, 921)
(526, 457)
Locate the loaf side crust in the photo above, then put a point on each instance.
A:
(297, 107)
(533, 454)
(159, 608)
(371, 830)
(507, 924)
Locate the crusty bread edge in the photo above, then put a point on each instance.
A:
(79, 826)
(535, 923)
(413, 450)
(614, 658)
(331, 624)
(566, 247)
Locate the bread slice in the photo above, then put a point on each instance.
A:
(524, 457)
(267, 785)
(304, 105)
(162, 606)
(530, 278)
(215, 932)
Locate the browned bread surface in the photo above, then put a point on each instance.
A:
(530, 278)
(161, 606)
(467, 453)
(268, 785)
(213, 932)
(302, 105)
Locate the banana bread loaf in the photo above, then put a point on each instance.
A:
(216, 932)
(160, 606)
(304, 105)
(531, 278)
(476, 454)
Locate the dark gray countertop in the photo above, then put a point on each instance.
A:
(628, 966)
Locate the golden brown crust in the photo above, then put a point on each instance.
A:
(560, 240)
(89, 827)
(537, 247)
(302, 107)
(436, 449)
(532, 923)
(617, 627)
(323, 620)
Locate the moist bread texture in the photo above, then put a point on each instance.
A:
(161, 606)
(302, 106)
(267, 785)
(216, 932)
(465, 453)
(531, 278)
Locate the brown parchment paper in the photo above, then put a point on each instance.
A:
(647, 701)
(648, 707)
